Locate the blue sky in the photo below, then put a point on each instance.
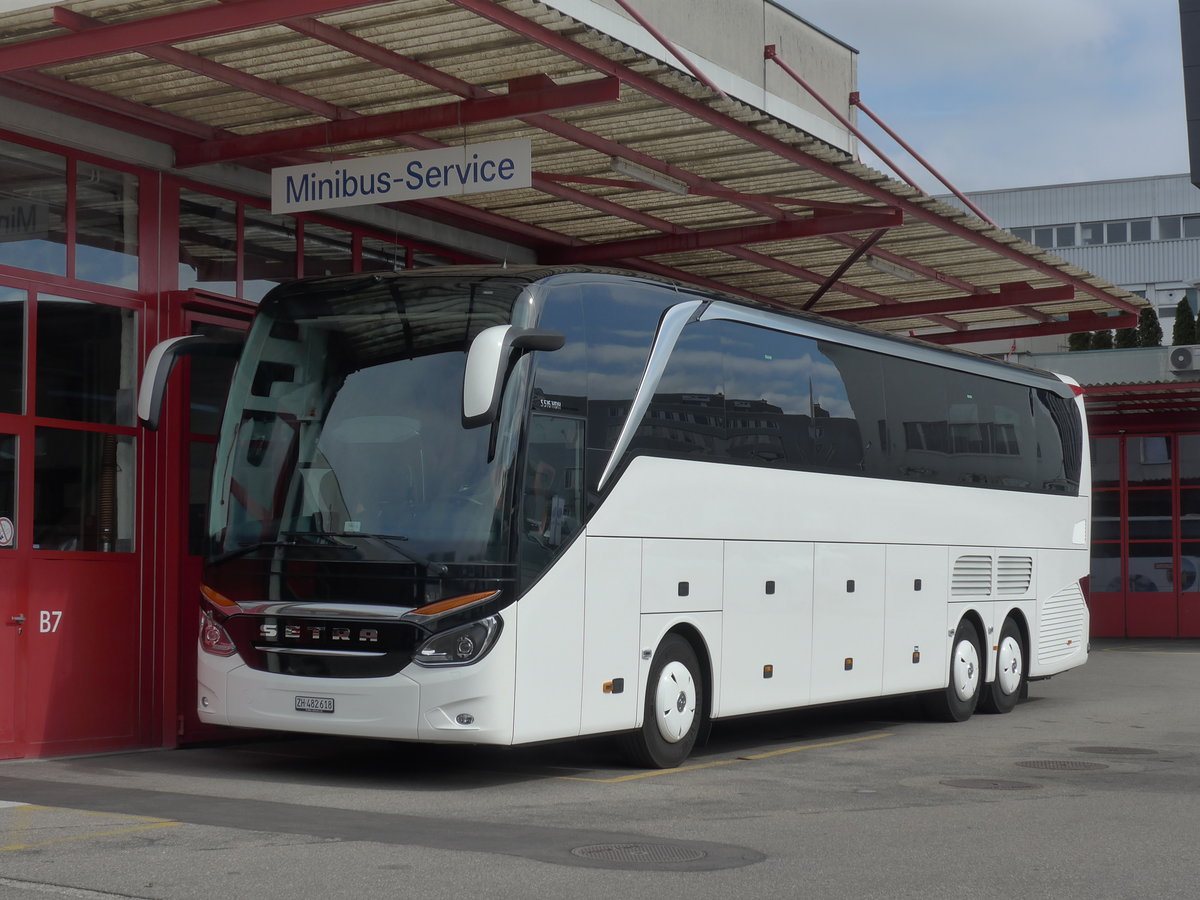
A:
(1019, 92)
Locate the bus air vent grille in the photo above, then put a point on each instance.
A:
(1063, 626)
(972, 576)
(1014, 575)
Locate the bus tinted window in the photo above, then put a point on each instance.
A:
(621, 322)
(1059, 436)
(746, 394)
(687, 415)
(561, 382)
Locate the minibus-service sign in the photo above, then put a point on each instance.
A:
(469, 169)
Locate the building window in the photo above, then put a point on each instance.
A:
(83, 491)
(86, 361)
(106, 226)
(84, 472)
(1048, 236)
(1175, 227)
(208, 242)
(327, 251)
(236, 249)
(68, 217)
(33, 209)
(1118, 232)
(268, 251)
(12, 350)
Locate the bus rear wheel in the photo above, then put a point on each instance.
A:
(958, 701)
(1001, 695)
(674, 708)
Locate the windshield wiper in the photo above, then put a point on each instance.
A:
(288, 539)
(392, 541)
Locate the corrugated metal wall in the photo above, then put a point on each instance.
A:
(1163, 268)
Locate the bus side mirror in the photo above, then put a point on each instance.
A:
(161, 362)
(488, 361)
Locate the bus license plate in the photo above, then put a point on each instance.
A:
(314, 704)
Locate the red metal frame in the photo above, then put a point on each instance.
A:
(670, 47)
(772, 54)
(1092, 322)
(519, 101)
(1004, 298)
(534, 31)
(856, 100)
(202, 22)
(822, 223)
(171, 28)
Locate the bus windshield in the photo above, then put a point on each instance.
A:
(343, 425)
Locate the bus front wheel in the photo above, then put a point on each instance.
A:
(1001, 695)
(957, 702)
(674, 708)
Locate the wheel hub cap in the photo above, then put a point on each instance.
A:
(966, 670)
(675, 702)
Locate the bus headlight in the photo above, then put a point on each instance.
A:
(459, 646)
(214, 638)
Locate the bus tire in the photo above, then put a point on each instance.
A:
(1002, 694)
(957, 702)
(674, 708)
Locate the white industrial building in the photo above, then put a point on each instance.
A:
(1142, 234)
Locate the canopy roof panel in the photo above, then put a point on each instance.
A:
(756, 206)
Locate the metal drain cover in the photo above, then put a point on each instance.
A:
(1115, 751)
(639, 853)
(1062, 765)
(989, 784)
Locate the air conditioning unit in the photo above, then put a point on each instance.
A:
(1185, 360)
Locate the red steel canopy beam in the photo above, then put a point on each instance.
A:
(517, 102)
(841, 270)
(1159, 400)
(1169, 389)
(171, 28)
(1093, 322)
(214, 70)
(649, 265)
(700, 110)
(90, 105)
(770, 52)
(949, 305)
(723, 237)
(856, 100)
(670, 47)
(762, 204)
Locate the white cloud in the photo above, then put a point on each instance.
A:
(1022, 92)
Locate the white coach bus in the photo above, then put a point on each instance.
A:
(501, 506)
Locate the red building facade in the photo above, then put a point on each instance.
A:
(135, 143)
(99, 542)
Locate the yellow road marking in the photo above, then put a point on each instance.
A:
(149, 823)
(726, 762)
(857, 740)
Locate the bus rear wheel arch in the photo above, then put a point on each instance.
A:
(674, 714)
(1003, 692)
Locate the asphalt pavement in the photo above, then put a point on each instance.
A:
(1090, 788)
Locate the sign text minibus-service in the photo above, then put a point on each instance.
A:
(469, 169)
